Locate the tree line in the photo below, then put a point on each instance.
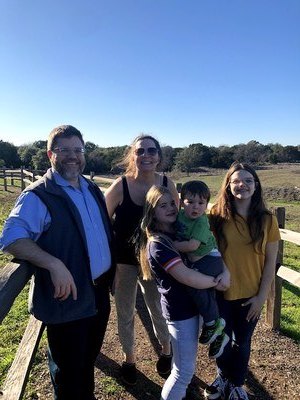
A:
(104, 160)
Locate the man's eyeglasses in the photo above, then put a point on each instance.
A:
(152, 151)
(247, 181)
(68, 150)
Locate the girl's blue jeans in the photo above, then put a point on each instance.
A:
(233, 363)
(184, 339)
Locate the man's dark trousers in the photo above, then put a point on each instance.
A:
(73, 349)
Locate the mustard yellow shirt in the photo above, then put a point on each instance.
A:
(244, 263)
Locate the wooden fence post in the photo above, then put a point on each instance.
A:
(12, 179)
(4, 179)
(273, 311)
(22, 179)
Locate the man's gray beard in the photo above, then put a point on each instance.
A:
(68, 175)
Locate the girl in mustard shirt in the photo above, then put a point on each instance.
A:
(247, 235)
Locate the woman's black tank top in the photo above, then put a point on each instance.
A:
(128, 216)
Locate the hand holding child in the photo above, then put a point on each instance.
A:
(223, 280)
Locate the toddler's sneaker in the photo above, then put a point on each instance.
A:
(217, 346)
(210, 332)
(217, 389)
(236, 392)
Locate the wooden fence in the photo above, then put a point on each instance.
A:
(18, 177)
(15, 275)
(23, 177)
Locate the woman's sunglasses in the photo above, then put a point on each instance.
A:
(152, 151)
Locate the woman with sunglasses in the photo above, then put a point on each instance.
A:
(125, 201)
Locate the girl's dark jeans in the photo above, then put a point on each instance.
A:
(233, 363)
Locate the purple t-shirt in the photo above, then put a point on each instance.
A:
(176, 303)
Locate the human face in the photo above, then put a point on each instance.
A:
(165, 212)
(242, 185)
(194, 206)
(71, 164)
(145, 157)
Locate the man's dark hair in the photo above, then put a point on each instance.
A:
(195, 188)
(62, 131)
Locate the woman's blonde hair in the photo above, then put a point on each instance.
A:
(128, 160)
(149, 226)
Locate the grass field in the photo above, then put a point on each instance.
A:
(14, 324)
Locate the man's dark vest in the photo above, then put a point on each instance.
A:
(65, 239)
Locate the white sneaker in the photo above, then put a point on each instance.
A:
(217, 389)
(237, 393)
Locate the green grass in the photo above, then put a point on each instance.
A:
(290, 314)
(281, 176)
(16, 182)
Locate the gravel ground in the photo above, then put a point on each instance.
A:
(274, 367)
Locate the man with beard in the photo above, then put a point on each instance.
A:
(60, 225)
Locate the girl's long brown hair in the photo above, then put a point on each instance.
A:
(148, 227)
(224, 209)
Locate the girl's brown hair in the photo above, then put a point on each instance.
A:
(149, 226)
(224, 209)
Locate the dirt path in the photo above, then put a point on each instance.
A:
(274, 367)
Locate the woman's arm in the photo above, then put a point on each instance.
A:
(114, 196)
(190, 277)
(268, 275)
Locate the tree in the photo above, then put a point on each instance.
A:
(202, 155)
(252, 152)
(89, 147)
(221, 157)
(26, 152)
(40, 160)
(40, 144)
(183, 160)
(102, 160)
(168, 158)
(31, 157)
(193, 157)
(9, 154)
(291, 154)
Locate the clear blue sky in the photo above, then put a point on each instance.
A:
(188, 71)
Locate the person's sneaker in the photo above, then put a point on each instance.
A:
(217, 346)
(237, 393)
(164, 364)
(128, 374)
(210, 332)
(217, 389)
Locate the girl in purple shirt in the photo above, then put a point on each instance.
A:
(160, 259)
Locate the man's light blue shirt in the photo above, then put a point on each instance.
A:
(30, 218)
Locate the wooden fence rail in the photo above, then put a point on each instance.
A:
(15, 275)
(18, 177)
(23, 177)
